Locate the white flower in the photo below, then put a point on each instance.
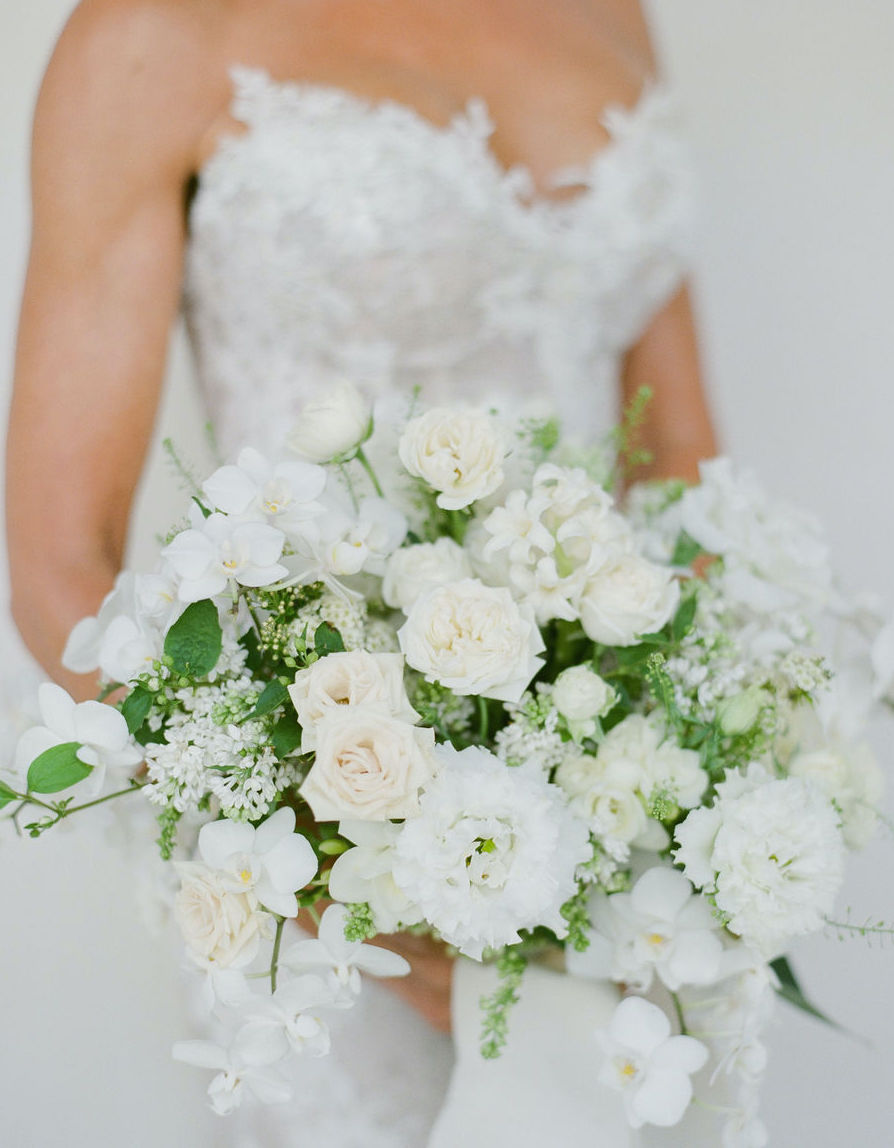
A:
(349, 678)
(606, 797)
(771, 851)
(237, 1073)
(581, 696)
(368, 766)
(474, 639)
(271, 861)
(100, 731)
(492, 851)
(459, 453)
(638, 743)
(340, 959)
(365, 873)
(660, 927)
(332, 425)
(219, 549)
(284, 495)
(217, 924)
(649, 1067)
(414, 570)
(882, 658)
(626, 598)
(288, 1021)
(850, 777)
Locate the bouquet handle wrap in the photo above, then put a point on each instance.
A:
(542, 1089)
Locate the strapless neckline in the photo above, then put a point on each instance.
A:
(473, 123)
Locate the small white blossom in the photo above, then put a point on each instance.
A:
(283, 495)
(366, 873)
(218, 550)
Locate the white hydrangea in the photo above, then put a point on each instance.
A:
(492, 851)
(770, 851)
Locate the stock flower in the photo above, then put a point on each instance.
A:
(218, 549)
(648, 1066)
(332, 425)
(366, 873)
(368, 765)
(414, 570)
(284, 495)
(474, 639)
(459, 453)
(271, 862)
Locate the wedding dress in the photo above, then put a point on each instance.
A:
(337, 237)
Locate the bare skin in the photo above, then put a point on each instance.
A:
(134, 102)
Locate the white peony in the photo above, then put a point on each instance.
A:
(771, 853)
(414, 570)
(217, 924)
(582, 697)
(474, 639)
(369, 766)
(218, 550)
(333, 425)
(626, 598)
(365, 873)
(492, 851)
(459, 453)
(649, 1067)
(348, 678)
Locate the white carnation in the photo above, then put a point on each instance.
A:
(459, 453)
(493, 850)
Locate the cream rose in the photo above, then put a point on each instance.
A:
(474, 639)
(415, 570)
(350, 678)
(369, 766)
(457, 452)
(627, 598)
(217, 924)
(332, 425)
(581, 696)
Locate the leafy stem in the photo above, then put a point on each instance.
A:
(274, 960)
(367, 466)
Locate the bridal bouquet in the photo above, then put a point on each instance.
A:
(431, 676)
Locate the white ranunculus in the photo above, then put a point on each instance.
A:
(348, 678)
(414, 570)
(628, 597)
(369, 766)
(493, 850)
(217, 924)
(581, 696)
(850, 776)
(218, 550)
(474, 639)
(649, 1067)
(365, 873)
(459, 453)
(332, 425)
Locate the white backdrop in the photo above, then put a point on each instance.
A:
(790, 104)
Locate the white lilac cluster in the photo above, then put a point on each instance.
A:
(566, 553)
(532, 734)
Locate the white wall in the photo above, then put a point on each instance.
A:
(791, 104)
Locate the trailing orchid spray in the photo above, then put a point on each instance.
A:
(470, 694)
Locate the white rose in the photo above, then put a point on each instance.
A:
(369, 766)
(474, 639)
(629, 597)
(415, 570)
(349, 678)
(581, 696)
(217, 924)
(332, 425)
(457, 452)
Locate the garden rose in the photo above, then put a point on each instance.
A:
(457, 452)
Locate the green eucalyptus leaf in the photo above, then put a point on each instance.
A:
(194, 641)
(57, 768)
(135, 708)
(327, 640)
(272, 695)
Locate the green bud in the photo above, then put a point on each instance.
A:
(737, 715)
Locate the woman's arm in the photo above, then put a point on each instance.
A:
(115, 138)
(677, 430)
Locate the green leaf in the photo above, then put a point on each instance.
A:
(57, 768)
(6, 795)
(194, 641)
(686, 550)
(135, 708)
(327, 640)
(272, 695)
(790, 990)
(684, 618)
(286, 736)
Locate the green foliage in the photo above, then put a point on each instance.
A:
(327, 640)
(661, 686)
(194, 642)
(790, 990)
(57, 768)
(135, 708)
(167, 825)
(271, 697)
(686, 550)
(684, 618)
(359, 924)
(6, 795)
(575, 913)
(624, 437)
(511, 967)
(286, 735)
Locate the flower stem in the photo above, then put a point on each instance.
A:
(350, 485)
(274, 961)
(132, 788)
(483, 720)
(367, 466)
(681, 1020)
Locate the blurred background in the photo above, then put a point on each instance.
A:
(790, 105)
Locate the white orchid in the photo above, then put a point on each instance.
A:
(365, 873)
(283, 495)
(342, 960)
(238, 1072)
(289, 1020)
(100, 731)
(218, 550)
(649, 1067)
(271, 861)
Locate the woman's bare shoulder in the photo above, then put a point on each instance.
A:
(625, 22)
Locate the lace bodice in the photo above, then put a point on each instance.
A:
(342, 237)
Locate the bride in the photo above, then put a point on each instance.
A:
(484, 198)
